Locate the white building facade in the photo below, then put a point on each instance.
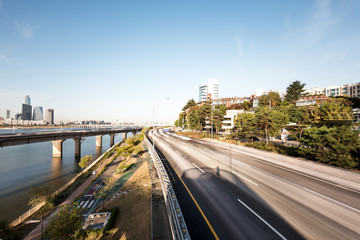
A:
(315, 91)
(355, 90)
(228, 123)
(337, 90)
(211, 87)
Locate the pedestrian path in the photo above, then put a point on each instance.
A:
(36, 233)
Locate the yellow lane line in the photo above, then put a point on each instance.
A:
(197, 205)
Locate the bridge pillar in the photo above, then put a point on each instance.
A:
(57, 148)
(133, 133)
(99, 141)
(112, 139)
(124, 136)
(77, 141)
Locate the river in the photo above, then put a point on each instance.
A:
(23, 166)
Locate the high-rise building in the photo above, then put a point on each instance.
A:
(26, 112)
(203, 90)
(49, 117)
(211, 88)
(27, 100)
(38, 114)
(7, 113)
(18, 116)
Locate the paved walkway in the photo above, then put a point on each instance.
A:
(36, 233)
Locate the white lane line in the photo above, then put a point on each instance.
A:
(198, 168)
(260, 159)
(178, 152)
(279, 234)
(343, 204)
(86, 204)
(246, 179)
(90, 204)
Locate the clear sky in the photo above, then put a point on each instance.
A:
(109, 60)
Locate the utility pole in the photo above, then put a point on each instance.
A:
(212, 130)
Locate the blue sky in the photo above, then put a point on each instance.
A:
(109, 60)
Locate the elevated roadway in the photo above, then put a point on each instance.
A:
(237, 196)
(57, 137)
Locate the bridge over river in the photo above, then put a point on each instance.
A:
(58, 137)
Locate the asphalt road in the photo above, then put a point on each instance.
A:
(242, 197)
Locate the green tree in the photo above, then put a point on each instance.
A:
(125, 151)
(103, 192)
(193, 120)
(65, 222)
(270, 122)
(219, 112)
(294, 91)
(85, 161)
(182, 120)
(271, 99)
(189, 104)
(133, 141)
(176, 123)
(246, 126)
(336, 145)
(336, 112)
(246, 105)
(241, 119)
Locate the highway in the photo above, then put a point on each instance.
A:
(236, 196)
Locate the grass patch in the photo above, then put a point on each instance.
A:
(125, 168)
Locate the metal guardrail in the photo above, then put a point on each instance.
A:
(177, 222)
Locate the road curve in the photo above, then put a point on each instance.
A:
(242, 197)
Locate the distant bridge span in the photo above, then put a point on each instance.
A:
(58, 137)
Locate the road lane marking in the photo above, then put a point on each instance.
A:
(343, 204)
(178, 152)
(197, 205)
(260, 159)
(198, 168)
(279, 234)
(246, 179)
(86, 204)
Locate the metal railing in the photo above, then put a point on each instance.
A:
(176, 219)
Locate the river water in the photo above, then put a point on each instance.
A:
(26, 165)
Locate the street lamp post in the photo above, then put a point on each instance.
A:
(212, 127)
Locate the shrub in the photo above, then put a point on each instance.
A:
(111, 222)
(262, 146)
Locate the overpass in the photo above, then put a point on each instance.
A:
(58, 137)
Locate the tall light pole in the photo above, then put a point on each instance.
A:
(212, 127)
(154, 120)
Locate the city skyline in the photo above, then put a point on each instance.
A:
(112, 61)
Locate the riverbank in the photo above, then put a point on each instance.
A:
(27, 165)
(111, 163)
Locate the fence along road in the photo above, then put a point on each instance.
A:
(177, 223)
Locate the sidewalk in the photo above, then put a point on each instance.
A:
(36, 233)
